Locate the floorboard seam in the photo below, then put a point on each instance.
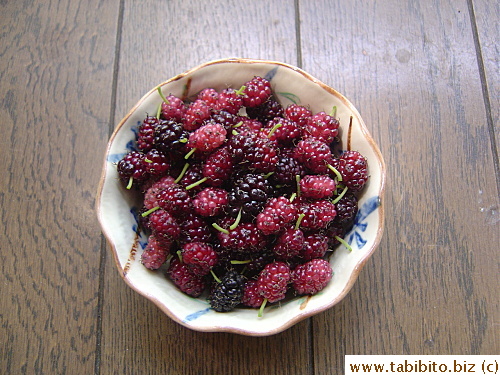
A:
(311, 346)
(486, 95)
(298, 43)
(118, 43)
(298, 37)
(102, 258)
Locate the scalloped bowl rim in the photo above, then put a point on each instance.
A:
(300, 316)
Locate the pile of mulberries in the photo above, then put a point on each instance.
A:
(243, 200)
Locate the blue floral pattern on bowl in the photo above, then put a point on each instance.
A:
(356, 235)
(130, 146)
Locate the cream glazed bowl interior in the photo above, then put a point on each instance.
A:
(117, 208)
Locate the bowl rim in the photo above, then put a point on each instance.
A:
(301, 316)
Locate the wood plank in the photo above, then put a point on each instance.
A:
(412, 72)
(486, 18)
(192, 32)
(138, 337)
(56, 69)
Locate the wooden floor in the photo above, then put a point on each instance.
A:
(423, 74)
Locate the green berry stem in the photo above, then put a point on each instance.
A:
(342, 193)
(343, 242)
(297, 179)
(219, 228)
(237, 125)
(334, 170)
(191, 152)
(215, 276)
(349, 135)
(261, 310)
(158, 112)
(241, 90)
(240, 261)
(267, 175)
(236, 222)
(333, 113)
(273, 129)
(130, 182)
(150, 211)
(292, 197)
(299, 220)
(162, 96)
(194, 184)
(179, 254)
(183, 172)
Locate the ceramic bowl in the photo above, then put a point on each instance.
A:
(117, 208)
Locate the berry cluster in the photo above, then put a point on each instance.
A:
(242, 198)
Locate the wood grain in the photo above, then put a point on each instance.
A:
(179, 36)
(411, 70)
(55, 73)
